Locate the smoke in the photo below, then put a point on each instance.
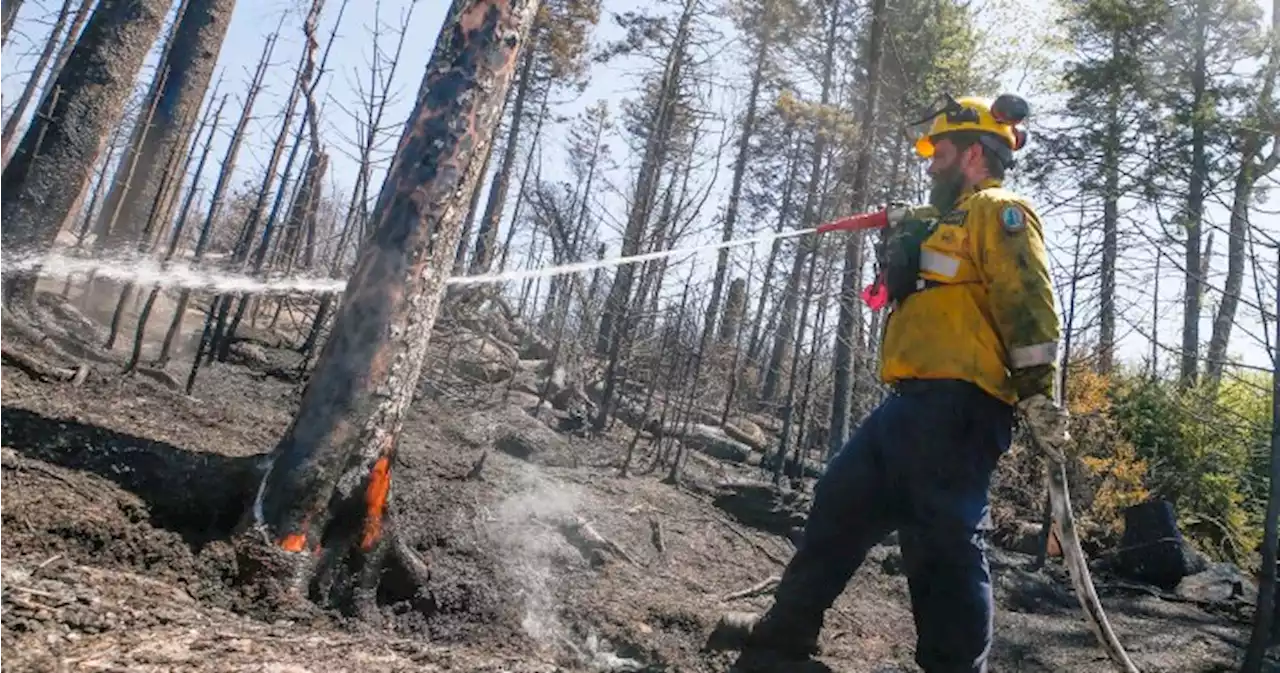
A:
(530, 549)
(523, 531)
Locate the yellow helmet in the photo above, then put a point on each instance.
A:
(993, 119)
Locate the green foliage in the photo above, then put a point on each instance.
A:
(932, 48)
(1113, 476)
(1205, 454)
(1199, 90)
(1097, 139)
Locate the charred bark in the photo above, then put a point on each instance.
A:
(188, 66)
(488, 232)
(46, 180)
(33, 81)
(734, 307)
(8, 16)
(319, 521)
(68, 44)
(357, 207)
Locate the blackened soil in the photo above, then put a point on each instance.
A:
(120, 497)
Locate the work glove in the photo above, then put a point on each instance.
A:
(1047, 422)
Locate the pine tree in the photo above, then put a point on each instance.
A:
(1107, 116)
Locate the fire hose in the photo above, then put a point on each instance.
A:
(1059, 496)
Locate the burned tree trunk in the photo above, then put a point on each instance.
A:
(50, 172)
(488, 232)
(197, 41)
(175, 239)
(64, 51)
(655, 151)
(33, 82)
(735, 190)
(756, 342)
(219, 194)
(850, 323)
(308, 80)
(734, 307)
(322, 503)
(7, 18)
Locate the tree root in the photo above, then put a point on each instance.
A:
(354, 581)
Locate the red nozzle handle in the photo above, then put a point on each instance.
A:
(875, 220)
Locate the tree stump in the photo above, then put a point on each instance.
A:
(1152, 549)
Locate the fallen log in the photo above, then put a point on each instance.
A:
(43, 371)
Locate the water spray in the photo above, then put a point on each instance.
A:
(143, 271)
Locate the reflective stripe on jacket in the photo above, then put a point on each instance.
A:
(989, 305)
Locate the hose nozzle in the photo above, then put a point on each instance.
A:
(878, 219)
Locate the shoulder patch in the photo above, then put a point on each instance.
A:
(1013, 219)
(955, 217)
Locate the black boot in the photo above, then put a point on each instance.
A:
(784, 634)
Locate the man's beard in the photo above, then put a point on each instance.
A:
(946, 188)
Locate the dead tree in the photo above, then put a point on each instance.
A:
(45, 182)
(790, 297)
(758, 325)
(655, 151)
(214, 332)
(760, 62)
(140, 331)
(68, 44)
(483, 255)
(374, 105)
(780, 459)
(309, 78)
(187, 68)
(219, 194)
(33, 81)
(8, 16)
(171, 175)
(319, 520)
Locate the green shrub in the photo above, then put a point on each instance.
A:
(1206, 452)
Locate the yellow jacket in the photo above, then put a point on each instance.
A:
(989, 307)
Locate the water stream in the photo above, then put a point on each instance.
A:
(183, 275)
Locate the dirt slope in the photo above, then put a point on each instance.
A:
(118, 497)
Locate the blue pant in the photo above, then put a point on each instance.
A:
(920, 464)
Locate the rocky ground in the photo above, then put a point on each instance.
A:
(120, 493)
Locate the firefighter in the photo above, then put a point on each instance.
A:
(970, 343)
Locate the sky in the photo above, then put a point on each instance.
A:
(352, 53)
